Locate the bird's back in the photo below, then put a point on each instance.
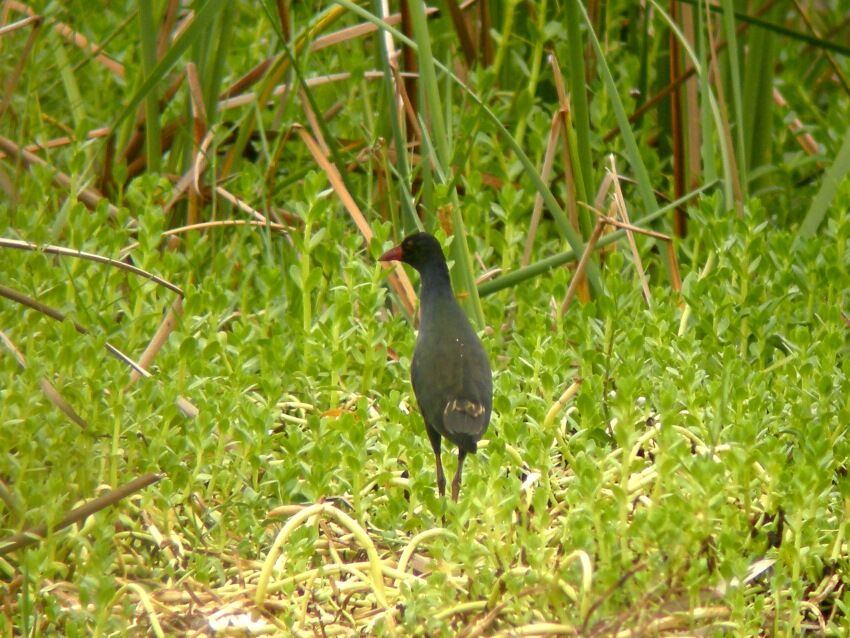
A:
(451, 374)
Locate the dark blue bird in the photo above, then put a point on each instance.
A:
(450, 370)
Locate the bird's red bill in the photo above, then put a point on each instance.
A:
(393, 254)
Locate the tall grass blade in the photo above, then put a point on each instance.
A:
(819, 43)
(199, 28)
(644, 185)
(147, 40)
(737, 100)
(578, 96)
(509, 9)
(443, 148)
(677, 129)
(534, 66)
(829, 186)
(214, 68)
(758, 97)
(402, 162)
(707, 151)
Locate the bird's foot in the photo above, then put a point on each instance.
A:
(455, 490)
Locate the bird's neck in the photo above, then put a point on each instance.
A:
(436, 285)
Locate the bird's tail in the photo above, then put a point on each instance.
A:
(466, 443)
(465, 421)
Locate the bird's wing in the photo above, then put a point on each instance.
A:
(452, 379)
(465, 417)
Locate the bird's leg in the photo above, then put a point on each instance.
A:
(434, 437)
(461, 456)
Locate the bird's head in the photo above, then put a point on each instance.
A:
(419, 250)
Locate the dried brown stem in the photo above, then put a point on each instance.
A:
(69, 252)
(462, 29)
(44, 309)
(578, 275)
(35, 534)
(545, 174)
(15, 75)
(626, 226)
(159, 338)
(688, 73)
(87, 196)
(49, 390)
(623, 211)
(398, 279)
(9, 499)
(75, 38)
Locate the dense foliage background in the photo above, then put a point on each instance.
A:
(205, 416)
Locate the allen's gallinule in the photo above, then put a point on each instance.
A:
(450, 371)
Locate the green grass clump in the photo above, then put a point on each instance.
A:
(690, 451)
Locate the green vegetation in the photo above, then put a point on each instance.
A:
(668, 451)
